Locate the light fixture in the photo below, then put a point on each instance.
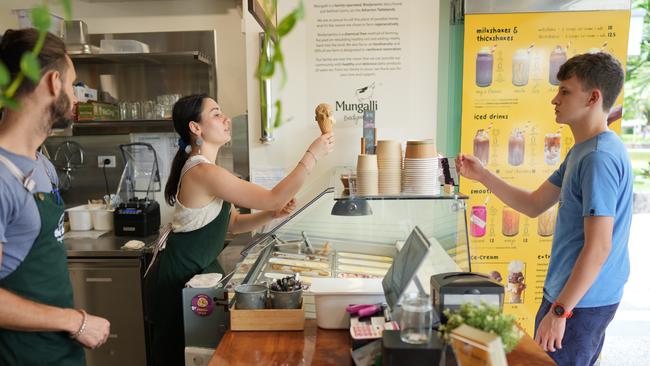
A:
(351, 207)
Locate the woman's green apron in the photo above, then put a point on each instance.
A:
(186, 254)
(42, 277)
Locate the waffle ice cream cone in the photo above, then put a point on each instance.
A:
(325, 126)
(324, 118)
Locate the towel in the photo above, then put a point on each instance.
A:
(133, 244)
(205, 280)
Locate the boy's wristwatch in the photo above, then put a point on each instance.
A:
(559, 311)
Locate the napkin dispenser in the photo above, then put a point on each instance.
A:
(451, 290)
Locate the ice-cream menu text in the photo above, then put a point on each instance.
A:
(509, 78)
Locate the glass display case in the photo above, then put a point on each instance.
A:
(343, 237)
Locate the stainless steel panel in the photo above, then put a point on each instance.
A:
(107, 245)
(139, 82)
(112, 289)
(538, 6)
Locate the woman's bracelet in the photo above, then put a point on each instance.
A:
(313, 155)
(304, 166)
(82, 328)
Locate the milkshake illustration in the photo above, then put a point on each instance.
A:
(516, 147)
(478, 222)
(482, 146)
(510, 222)
(546, 222)
(552, 143)
(516, 285)
(484, 63)
(557, 59)
(520, 67)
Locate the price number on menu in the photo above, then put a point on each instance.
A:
(610, 31)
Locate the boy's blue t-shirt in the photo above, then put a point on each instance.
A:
(595, 180)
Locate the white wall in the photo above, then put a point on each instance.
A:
(293, 138)
(178, 15)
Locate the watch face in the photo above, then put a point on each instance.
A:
(558, 310)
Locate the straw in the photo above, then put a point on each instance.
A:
(488, 127)
(559, 129)
(487, 199)
(530, 48)
(493, 48)
(603, 46)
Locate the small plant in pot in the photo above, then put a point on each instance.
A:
(286, 293)
(486, 318)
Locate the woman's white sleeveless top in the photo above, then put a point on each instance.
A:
(189, 219)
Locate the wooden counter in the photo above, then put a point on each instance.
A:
(315, 346)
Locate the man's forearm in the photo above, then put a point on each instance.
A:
(585, 272)
(18, 313)
(517, 198)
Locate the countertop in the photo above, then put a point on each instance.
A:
(107, 245)
(315, 346)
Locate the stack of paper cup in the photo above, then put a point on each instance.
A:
(367, 175)
(389, 162)
(421, 170)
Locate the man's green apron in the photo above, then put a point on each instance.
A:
(42, 277)
(186, 254)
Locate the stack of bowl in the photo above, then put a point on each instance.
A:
(421, 169)
(367, 175)
(389, 161)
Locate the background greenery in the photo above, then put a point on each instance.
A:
(29, 65)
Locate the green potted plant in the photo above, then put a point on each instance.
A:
(484, 317)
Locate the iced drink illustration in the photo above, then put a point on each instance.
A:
(546, 222)
(558, 57)
(552, 143)
(510, 222)
(520, 67)
(478, 222)
(484, 62)
(516, 147)
(482, 146)
(516, 285)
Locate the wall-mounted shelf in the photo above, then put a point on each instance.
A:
(86, 128)
(158, 58)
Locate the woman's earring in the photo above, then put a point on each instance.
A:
(198, 143)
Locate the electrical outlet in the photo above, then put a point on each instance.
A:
(102, 158)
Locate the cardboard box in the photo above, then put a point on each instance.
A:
(95, 111)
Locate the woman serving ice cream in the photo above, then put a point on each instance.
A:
(203, 195)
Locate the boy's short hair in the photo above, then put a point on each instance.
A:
(596, 70)
(16, 42)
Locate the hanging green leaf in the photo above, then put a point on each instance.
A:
(8, 102)
(287, 24)
(41, 18)
(278, 57)
(278, 113)
(266, 66)
(30, 66)
(5, 77)
(67, 8)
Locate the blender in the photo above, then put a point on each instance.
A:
(138, 213)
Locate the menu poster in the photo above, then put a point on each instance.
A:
(508, 122)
